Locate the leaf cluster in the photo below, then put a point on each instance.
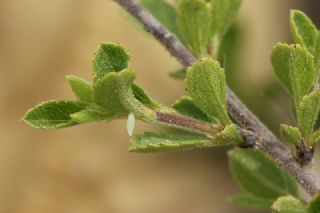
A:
(297, 68)
(200, 24)
(202, 114)
(113, 94)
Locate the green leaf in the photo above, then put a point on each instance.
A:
(186, 106)
(206, 85)
(308, 112)
(306, 33)
(229, 135)
(288, 204)
(290, 134)
(179, 74)
(229, 47)
(251, 202)
(109, 57)
(81, 88)
(53, 114)
(114, 94)
(259, 175)
(92, 113)
(223, 13)
(316, 54)
(164, 13)
(295, 69)
(143, 97)
(108, 90)
(316, 136)
(293, 109)
(194, 20)
(152, 142)
(303, 30)
(314, 205)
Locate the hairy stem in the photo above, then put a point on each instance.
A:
(182, 122)
(264, 138)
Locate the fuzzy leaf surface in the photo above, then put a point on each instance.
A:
(153, 142)
(303, 30)
(260, 176)
(223, 13)
(290, 134)
(114, 94)
(294, 67)
(308, 112)
(81, 88)
(53, 114)
(206, 85)
(194, 21)
(109, 57)
(108, 90)
(288, 204)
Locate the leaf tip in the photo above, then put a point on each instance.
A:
(109, 57)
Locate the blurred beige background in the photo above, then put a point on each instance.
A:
(87, 169)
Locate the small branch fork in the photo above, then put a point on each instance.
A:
(254, 132)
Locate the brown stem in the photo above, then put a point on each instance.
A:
(210, 130)
(264, 138)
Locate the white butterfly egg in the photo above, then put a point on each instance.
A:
(130, 123)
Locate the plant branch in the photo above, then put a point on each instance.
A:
(182, 122)
(264, 139)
